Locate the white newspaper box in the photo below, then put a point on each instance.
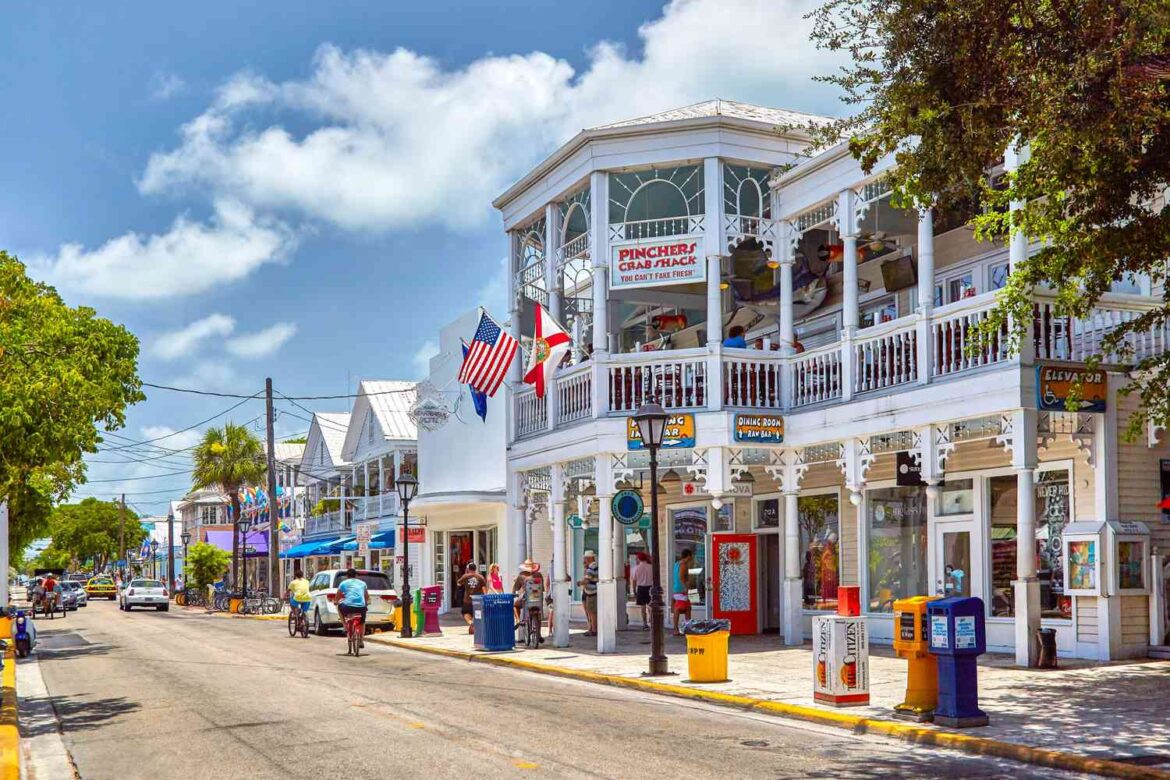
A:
(840, 660)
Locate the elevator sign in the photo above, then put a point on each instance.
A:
(654, 262)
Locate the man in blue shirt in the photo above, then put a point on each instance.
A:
(735, 338)
(354, 596)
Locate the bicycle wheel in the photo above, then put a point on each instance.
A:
(272, 606)
(303, 622)
(533, 633)
(292, 623)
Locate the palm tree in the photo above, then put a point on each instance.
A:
(228, 458)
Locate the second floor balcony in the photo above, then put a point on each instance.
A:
(886, 358)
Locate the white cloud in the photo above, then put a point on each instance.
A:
(164, 86)
(493, 295)
(397, 140)
(421, 361)
(167, 437)
(191, 257)
(263, 342)
(180, 343)
(215, 375)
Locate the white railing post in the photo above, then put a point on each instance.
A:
(714, 366)
(847, 366)
(925, 351)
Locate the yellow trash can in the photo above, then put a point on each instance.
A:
(398, 619)
(5, 627)
(707, 657)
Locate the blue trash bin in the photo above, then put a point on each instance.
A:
(498, 622)
(477, 622)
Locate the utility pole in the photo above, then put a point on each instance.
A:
(122, 536)
(170, 552)
(274, 584)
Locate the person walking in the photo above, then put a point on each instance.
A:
(471, 584)
(643, 577)
(588, 584)
(680, 590)
(495, 583)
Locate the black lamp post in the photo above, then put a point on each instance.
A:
(407, 490)
(244, 524)
(154, 558)
(651, 420)
(186, 539)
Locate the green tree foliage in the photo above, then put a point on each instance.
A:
(228, 458)
(205, 564)
(50, 558)
(946, 87)
(90, 531)
(64, 374)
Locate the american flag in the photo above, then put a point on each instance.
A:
(492, 351)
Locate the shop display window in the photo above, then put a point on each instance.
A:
(689, 529)
(957, 497)
(767, 514)
(1131, 565)
(897, 535)
(820, 533)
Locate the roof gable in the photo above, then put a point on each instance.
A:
(383, 408)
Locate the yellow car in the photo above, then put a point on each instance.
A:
(101, 587)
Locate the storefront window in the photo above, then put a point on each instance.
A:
(957, 497)
(820, 532)
(583, 539)
(1129, 565)
(897, 565)
(637, 540)
(689, 526)
(1052, 514)
(768, 513)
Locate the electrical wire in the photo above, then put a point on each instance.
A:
(183, 430)
(193, 391)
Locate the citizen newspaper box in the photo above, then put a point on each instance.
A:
(957, 637)
(1106, 558)
(841, 655)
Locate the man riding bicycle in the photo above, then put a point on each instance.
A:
(298, 592)
(528, 589)
(354, 595)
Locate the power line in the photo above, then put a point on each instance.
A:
(182, 430)
(135, 479)
(193, 391)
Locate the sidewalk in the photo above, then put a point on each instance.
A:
(1116, 712)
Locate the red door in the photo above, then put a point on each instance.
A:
(734, 581)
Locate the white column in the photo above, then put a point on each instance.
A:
(847, 224)
(925, 259)
(381, 485)
(599, 260)
(607, 586)
(514, 545)
(1026, 586)
(793, 594)
(560, 585)
(516, 367)
(787, 329)
(713, 247)
(552, 242)
(1017, 154)
(714, 366)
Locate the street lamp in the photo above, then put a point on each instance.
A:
(244, 524)
(186, 539)
(407, 490)
(651, 421)
(154, 558)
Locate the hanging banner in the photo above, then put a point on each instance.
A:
(679, 433)
(656, 261)
(1054, 385)
(759, 428)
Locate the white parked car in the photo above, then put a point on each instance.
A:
(323, 613)
(144, 593)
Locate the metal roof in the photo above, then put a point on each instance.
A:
(728, 108)
(391, 401)
(333, 426)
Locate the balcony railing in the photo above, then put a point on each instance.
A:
(325, 523)
(905, 352)
(373, 507)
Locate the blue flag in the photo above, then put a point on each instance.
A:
(478, 397)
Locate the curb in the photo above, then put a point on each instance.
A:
(919, 735)
(9, 728)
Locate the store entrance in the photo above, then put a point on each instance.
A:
(771, 567)
(463, 547)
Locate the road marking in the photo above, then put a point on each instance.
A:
(525, 765)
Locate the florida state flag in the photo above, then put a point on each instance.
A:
(549, 346)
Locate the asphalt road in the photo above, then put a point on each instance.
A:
(185, 695)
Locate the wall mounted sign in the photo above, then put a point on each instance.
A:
(907, 470)
(679, 433)
(734, 489)
(416, 535)
(575, 521)
(627, 507)
(656, 261)
(1054, 385)
(759, 428)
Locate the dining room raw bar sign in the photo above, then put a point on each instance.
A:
(649, 263)
(759, 428)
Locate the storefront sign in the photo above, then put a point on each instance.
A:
(654, 262)
(734, 489)
(907, 471)
(575, 521)
(1054, 386)
(679, 433)
(416, 535)
(759, 428)
(627, 507)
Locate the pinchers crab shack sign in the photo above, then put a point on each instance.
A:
(649, 263)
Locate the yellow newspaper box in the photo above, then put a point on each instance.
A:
(912, 642)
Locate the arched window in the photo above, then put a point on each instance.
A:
(749, 199)
(656, 199)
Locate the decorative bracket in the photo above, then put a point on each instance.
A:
(699, 468)
(854, 463)
(620, 471)
(1083, 435)
(851, 209)
(933, 446)
(788, 469)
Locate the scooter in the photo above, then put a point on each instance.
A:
(23, 634)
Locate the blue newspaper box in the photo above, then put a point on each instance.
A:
(957, 637)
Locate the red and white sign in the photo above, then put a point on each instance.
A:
(414, 535)
(654, 262)
(840, 660)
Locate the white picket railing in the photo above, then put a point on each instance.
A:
(663, 227)
(676, 379)
(575, 393)
(886, 355)
(955, 346)
(751, 379)
(531, 413)
(372, 507)
(816, 376)
(1059, 337)
(324, 523)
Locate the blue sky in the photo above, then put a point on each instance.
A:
(302, 190)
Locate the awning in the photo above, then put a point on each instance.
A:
(334, 546)
(253, 545)
(305, 548)
(382, 541)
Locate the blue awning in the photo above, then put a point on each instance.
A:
(308, 548)
(382, 541)
(332, 547)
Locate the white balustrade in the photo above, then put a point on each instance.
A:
(677, 379)
(575, 394)
(957, 345)
(324, 523)
(1060, 337)
(642, 229)
(816, 376)
(751, 379)
(885, 356)
(531, 414)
